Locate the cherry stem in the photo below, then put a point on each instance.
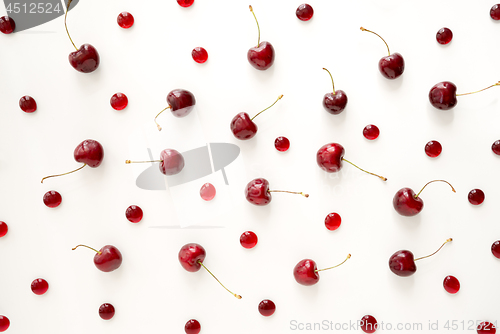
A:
(290, 192)
(47, 177)
(158, 125)
(65, 15)
(88, 248)
(255, 17)
(347, 258)
(333, 85)
(435, 181)
(363, 29)
(237, 296)
(497, 84)
(279, 98)
(383, 178)
(141, 162)
(420, 258)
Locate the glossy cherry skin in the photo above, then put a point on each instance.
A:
(7, 25)
(444, 36)
(89, 152)
(248, 239)
(495, 12)
(267, 308)
(305, 272)
(181, 102)
(243, 127)
(368, 324)
(406, 204)
(172, 162)
(257, 192)
(402, 263)
(106, 311)
(333, 221)
(4, 323)
(335, 103)
(371, 132)
(443, 95)
(134, 214)
(27, 104)
(39, 286)
(304, 12)
(200, 55)
(109, 259)
(262, 56)
(433, 148)
(85, 60)
(486, 328)
(495, 147)
(392, 66)
(451, 284)
(329, 157)
(190, 255)
(125, 20)
(495, 249)
(119, 101)
(282, 144)
(192, 327)
(52, 199)
(3, 229)
(476, 196)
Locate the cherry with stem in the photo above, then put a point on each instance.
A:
(261, 56)
(334, 102)
(391, 66)
(443, 95)
(171, 162)
(306, 273)
(258, 193)
(409, 204)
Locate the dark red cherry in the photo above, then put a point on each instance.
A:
(85, 59)
(443, 95)
(304, 12)
(332, 221)
(39, 286)
(495, 12)
(267, 308)
(192, 327)
(451, 284)
(185, 3)
(433, 148)
(306, 272)
(330, 156)
(207, 192)
(89, 152)
(248, 239)
(125, 20)
(391, 66)
(368, 324)
(172, 162)
(402, 263)
(243, 127)
(495, 248)
(496, 147)
(7, 25)
(282, 144)
(336, 101)
(4, 323)
(27, 104)
(476, 196)
(200, 55)
(261, 56)
(3, 229)
(486, 327)
(107, 259)
(119, 101)
(371, 132)
(407, 203)
(181, 102)
(191, 256)
(52, 199)
(257, 192)
(134, 214)
(106, 311)
(444, 36)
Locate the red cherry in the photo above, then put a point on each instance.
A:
(495, 12)
(495, 249)
(191, 257)
(402, 263)
(476, 196)
(306, 272)
(260, 57)
(207, 192)
(125, 20)
(248, 239)
(433, 148)
(371, 132)
(106, 311)
(257, 192)
(7, 25)
(369, 324)
(180, 102)
(107, 259)
(407, 203)
(39, 286)
(496, 147)
(332, 221)
(27, 104)
(200, 55)
(243, 126)
(304, 12)
(192, 327)
(52, 199)
(134, 214)
(4, 323)
(119, 101)
(443, 95)
(444, 36)
(3, 229)
(451, 284)
(391, 66)
(171, 162)
(185, 3)
(282, 144)
(486, 328)
(334, 102)
(267, 308)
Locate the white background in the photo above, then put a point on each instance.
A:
(150, 291)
